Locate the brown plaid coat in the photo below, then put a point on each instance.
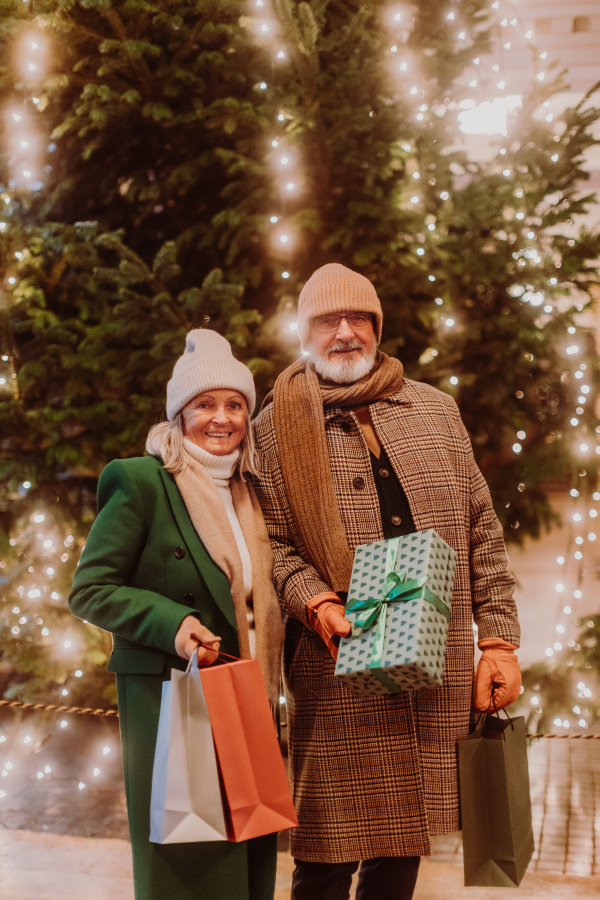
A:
(377, 776)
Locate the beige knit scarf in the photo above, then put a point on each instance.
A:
(209, 518)
(299, 398)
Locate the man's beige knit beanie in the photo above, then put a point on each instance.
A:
(334, 288)
(207, 365)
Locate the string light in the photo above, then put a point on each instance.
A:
(444, 196)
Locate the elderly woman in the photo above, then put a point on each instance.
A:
(177, 554)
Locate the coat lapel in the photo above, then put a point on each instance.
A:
(215, 578)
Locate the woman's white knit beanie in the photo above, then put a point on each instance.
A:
(207, 365)
(334, 288)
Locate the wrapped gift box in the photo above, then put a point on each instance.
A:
(399, 605)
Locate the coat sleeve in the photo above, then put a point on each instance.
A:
(296, 579)
(492, 585)
(101, 593)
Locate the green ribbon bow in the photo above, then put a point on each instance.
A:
(374, 609)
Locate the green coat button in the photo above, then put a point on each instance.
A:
(179, 553)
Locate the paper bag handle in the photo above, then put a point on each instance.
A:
(503, 709)
(484, 715)
(192, 665)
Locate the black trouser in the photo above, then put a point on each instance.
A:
(382, 878)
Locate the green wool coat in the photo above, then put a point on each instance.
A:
(143, 570)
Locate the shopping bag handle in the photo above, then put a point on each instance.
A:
(193, 661)
(504, 708)
(481, 719)
(218, 652)
(192, 665)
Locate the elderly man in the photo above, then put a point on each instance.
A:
(353, 452)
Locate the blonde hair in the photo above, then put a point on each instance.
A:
(165, 439)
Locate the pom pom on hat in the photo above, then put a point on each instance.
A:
(207, 364)
(335, 288)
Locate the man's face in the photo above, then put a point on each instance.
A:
(346, 352)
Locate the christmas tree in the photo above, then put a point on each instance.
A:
(133, 174)
(478, 284)
(564, 692)
(193, 162)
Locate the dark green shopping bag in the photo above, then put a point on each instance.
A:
(495, 803)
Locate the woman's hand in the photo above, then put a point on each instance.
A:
(191, 633)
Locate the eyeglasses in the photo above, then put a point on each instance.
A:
(332, 323)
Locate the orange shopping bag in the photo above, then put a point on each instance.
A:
(256, 794)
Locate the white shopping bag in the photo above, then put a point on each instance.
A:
(186, 800)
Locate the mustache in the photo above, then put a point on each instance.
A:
(346, 345)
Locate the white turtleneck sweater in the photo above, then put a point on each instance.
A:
(220, 469)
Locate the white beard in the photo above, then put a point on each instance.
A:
(345, 371)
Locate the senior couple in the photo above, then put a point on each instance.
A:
(227, 521)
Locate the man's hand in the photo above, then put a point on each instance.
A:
(191, 633)
(326, 615)
(498, 669)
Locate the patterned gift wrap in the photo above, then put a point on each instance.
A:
(399, 605)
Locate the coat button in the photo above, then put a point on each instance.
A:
(358, 483)
(189, 599)
(384, 473)
(179, 553)
(346, 426)
(396, 520)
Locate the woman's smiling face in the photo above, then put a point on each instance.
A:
(216, 420)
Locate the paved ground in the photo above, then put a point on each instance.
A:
(51, 867)
(565, 796)
(72, 800)
(60, 841)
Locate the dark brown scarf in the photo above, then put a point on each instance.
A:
(299, 398)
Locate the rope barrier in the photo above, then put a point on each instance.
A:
(114, 714)
(572, 737)
(51, 707)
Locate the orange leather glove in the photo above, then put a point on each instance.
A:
(499, 669)
(326, 616)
